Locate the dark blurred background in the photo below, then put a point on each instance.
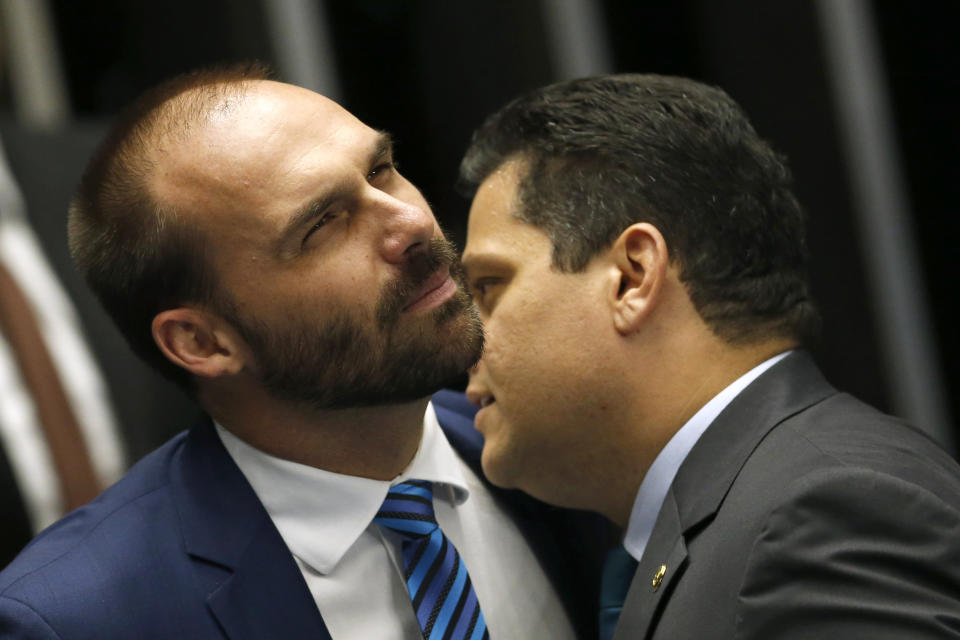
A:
(860, 95)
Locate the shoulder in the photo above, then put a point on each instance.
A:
(842, 435)
(854, 550)
(851, 501)
(855, 528)
(455, 415)
(839, 456)
(807, 513)
(98, 552)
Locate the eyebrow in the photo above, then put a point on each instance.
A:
(382, 148)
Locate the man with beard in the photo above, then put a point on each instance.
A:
(256, 243)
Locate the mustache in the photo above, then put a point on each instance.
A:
(416, 271)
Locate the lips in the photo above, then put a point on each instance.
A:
(481, 419)
(437, 289)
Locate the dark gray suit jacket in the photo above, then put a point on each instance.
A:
(803, 513)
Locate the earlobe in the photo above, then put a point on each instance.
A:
(641, 259)
(192, 339)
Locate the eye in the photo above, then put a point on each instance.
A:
(384, 169)
(318, 224)
(480, 288)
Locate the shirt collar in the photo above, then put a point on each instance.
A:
(321, 514)
(664, 469)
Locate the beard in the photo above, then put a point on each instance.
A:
(343, 362)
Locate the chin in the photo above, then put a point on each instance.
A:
(496, 469)
(518, 471)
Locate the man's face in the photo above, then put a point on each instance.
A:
(542, 383)
(342, 283)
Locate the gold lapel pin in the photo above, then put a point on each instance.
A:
(658, 577)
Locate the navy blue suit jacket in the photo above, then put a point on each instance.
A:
(181, 547)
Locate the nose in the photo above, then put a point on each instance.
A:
(407, 227)
(476, 389)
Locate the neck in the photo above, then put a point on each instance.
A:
(687, 376)
(372, 442)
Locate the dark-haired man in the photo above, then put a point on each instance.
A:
(255, 242)
(638, 259)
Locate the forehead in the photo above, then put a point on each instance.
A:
(263, 152)
(493, 230)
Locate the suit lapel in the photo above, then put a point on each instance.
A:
(706, 475)
(251, 581)
(661, 565)
(265, 596)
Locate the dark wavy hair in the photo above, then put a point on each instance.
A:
(606, 152)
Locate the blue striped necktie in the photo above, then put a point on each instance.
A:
(437, 581)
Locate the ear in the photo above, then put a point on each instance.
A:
(198, 341)
(641, 259)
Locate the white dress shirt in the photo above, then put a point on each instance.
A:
(21, 432)
(653, 489)
(353, 567)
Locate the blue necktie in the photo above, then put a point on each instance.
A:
(440, 590)
(618, 570)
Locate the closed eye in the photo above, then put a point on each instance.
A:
(318, 224)
(481, 286)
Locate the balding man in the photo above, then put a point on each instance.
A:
(255, 242)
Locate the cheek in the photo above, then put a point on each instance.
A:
(528, 347)
(512, 446)
(510, 356)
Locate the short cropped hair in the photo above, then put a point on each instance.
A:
(603, 153)
(137, 253)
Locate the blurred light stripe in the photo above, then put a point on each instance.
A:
(577, 38)
(302, 42)
(37, 83)
(883, 216)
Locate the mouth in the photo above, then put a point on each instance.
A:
(438, 288)
(481, 418)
